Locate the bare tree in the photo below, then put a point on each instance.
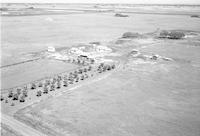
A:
(12, 104)
(65, 83)
(18, 91)
(85, 69)
(52, 88)
(25, 87)
(92, 61)
(22, 98)
(47, 82)
(77, 79)
(89, 68)
(58, 84)
(45, 90)
(82, 77)
(78, 61)
(80, 71)
(15, 96)
(108, 67)
(40, 84)
(54, 80)
(39, 93)
(10, 94)
(113, 66)
(86, 76)
(25, 93)
(6, 101)
(33, 86)
(2, 98)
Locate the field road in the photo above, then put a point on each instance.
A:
(20, 127)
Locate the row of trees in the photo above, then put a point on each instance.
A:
(56, 82)
(20, 94)
(105, 67)
(82, 60)
(65, 80)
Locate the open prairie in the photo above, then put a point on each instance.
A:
(150, 85)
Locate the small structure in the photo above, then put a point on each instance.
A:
(51, 49)
(102, 49)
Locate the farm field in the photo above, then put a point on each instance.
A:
(31, 71)
(145, 82)
(137, 99)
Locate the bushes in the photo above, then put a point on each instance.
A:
(164, 34)
(171, 34)
(196, 16)
(131, 35)
(120, 15)
(176, 35)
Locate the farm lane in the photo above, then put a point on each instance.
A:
(20, 127)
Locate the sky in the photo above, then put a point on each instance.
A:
(106, 1)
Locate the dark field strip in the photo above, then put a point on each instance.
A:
(19, 63)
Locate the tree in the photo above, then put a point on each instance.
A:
(75, 75)
(33, 86)
(25, 93)
(73, 61)
(54, 80)
(15, 96)
(82, 77)
(47, 82)
(39, 93)
(108, 67)
(113, 66)
(18, 91)
(52, 87)
(2, 98)
(25, 87)
(59, 77)
(12, 104)
(101, 65)
(65, 77)
(105, 68)
(77, 79)
(85, 69)
(89, 68)
(45, 90)
(22, 98)
(83, 62)
(80, 71)
(65, 83)
(100, 70)
(10, 94)
(78, 61)
(92, 61)
(86, 76)
(58, 84)
(75, 72)
(40, 84)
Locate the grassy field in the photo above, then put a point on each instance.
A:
(31, 71)
(142, 99)
(151, 99)
(25, 34)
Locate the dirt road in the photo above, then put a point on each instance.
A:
(20, 127)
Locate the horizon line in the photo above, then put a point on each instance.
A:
(98, 3)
